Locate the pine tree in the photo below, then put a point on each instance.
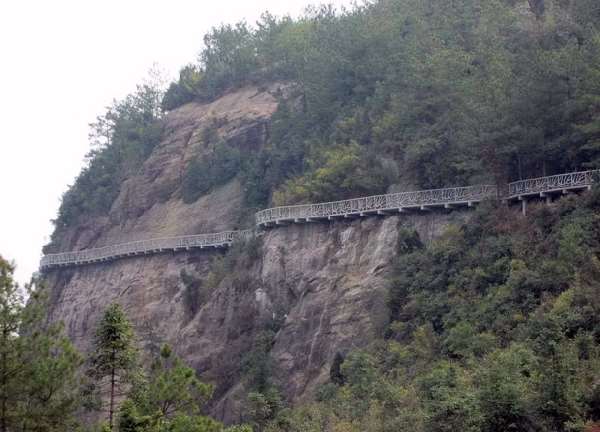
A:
(39, 384)
(168, 399)
(11, 369)
(114, 360)
(50, 389)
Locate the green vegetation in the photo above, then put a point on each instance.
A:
(121, 140)
(235, 265)
(447, 93)
(264, 399)
(42, 388)
(113, 363)
(493, 327)
(427, 92)
(204, 174)
(167, 399)
(185, 90)
(38, 364)
(345, 171)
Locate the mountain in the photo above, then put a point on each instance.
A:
(435, 318)
(319, 288)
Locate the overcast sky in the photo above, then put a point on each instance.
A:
(61, 63)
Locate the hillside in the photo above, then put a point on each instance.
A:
(329, 282)
(451, 319)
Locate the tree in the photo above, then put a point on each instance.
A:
(50, 390)
(450, 399)
(184, 90)
(169, 398)
(120, 140)
(336, 173)
(39, 384)
(229, 57)
(11, 369)
(113, 361)
(503, 387)
(262, 407)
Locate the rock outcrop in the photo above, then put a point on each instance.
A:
(323, 283)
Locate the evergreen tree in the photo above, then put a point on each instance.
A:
(113, 362)
(170, 398)
(10, 345)
(38, 364)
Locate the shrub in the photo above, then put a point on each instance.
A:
(204, 174)
(341, 172)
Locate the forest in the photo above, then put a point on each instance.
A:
(492, 327)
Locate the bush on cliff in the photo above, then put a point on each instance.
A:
(204, 174)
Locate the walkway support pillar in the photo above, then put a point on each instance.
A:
(524, 206)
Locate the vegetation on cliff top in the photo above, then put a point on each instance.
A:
(443, 92)
(429, 93)
(121, 139)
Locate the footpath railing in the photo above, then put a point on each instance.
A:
(390, 202)
(378, 204)
(556, 183)
(106, 253)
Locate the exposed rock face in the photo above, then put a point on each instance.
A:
(149, 203)
(325, 282)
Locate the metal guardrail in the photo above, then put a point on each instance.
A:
(561, 182)
(106, 253)
(382, 203)
(358, 206)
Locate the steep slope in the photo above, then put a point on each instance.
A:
(321, 287)
(150, 202)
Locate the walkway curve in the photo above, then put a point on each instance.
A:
(358, 207)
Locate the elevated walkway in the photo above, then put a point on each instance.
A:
(381, 205)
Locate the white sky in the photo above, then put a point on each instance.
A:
(61, 63)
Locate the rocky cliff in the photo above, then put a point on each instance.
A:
(323, 284)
